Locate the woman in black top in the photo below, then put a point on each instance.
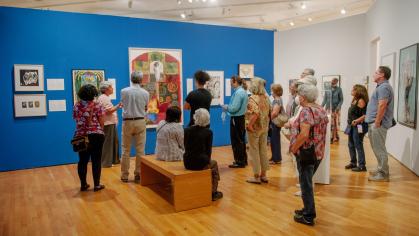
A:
(198, 146)
(357, 128)
(199, 98)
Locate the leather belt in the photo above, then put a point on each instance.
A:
(135, 118)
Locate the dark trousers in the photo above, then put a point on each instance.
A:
(306, 183)
(355, 144)
(215, 175)
(93, 152)
(276, 143)
(237, 136)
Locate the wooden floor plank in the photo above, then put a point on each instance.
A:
(47, 201)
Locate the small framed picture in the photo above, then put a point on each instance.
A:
(29, 77)
(327, 81)
(27, 105)
(247, 71)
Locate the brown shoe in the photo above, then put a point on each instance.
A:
(350, 166)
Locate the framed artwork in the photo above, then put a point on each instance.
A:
(408, 86)
(162, 78)
(246, 71)
(216, 87)
(389, 60)
(327, 81)
(29, 77)
(82, 77)
(27, 105)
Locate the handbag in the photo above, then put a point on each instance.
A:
(280, 120)
(80, 143)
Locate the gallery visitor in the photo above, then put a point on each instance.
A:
(332, 101)
(134, 100)
(110, 151)
(307, 143)
(379, 116)
(236, 109)
(88, 115)
(277, 109)
(198, 149)
(169, 141)
(200, 97)
(357, 128)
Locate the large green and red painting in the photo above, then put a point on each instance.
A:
(162, 71)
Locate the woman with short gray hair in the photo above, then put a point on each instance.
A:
(110, 151)
(307, 143)
(257, 125)
(198, 148)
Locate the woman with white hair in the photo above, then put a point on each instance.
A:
(257, 125)
(307, 143)
(198, 147)
(110, 150)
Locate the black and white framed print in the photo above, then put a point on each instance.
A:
(27, 105)
(29, 77)
(247, 71)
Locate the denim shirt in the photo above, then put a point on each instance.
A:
(337, 99)
(238, 102)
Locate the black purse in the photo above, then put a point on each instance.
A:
(80, 143)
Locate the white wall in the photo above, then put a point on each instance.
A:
(396, 23)
(331, 48)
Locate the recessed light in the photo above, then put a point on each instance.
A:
(292, 23)
(204, 0)
(309, 19)
(190, 1)
(343, 11)
(303, 6)
(183, 15)
(179, 2)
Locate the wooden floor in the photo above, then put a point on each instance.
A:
(47, 201)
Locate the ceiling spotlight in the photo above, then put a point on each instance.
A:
(343, 11)
(190, 1)
(204, 0)
(303, 6)
(183, 15)
(179, 2)
(213, 0)
(292, 23)
(309, 19)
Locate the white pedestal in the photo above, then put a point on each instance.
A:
(322, 175)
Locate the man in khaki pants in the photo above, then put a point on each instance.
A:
(134, 100)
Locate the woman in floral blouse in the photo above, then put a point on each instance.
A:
(307, 143)
(88, 115)
(257, 125)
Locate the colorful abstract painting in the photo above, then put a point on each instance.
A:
(82, 77)
(162, 78)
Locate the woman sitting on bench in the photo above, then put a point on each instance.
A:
(198, 145)
(169, 144)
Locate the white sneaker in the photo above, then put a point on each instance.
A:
(297, 194)
(253, 180)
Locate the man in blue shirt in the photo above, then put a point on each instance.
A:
(380, 118)
(332, 101)
(134, 100)
(236, 109)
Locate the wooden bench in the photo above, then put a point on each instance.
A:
(188, 189)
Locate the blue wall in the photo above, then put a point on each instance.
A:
(65, 41)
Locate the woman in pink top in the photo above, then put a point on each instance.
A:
(110, 151)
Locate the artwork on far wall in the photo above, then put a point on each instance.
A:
(27, 105)
(162, 71)
(408, 82)
(216, 87)
(327, 81)
(29, 77)
(389, 60)
(82, 77)
(246, 71)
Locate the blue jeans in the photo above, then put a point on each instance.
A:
(306, 184)
(276, 143)
(355, 144)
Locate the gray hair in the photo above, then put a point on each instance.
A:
(257, 87)
(136, 77)
(309, 92)
(104, 86)
(202, 117)
(309, 71)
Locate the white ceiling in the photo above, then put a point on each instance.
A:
(261, 14)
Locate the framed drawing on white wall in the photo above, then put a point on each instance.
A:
(27, 105)
(389, 60)
(246, 71)
(29, 77)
